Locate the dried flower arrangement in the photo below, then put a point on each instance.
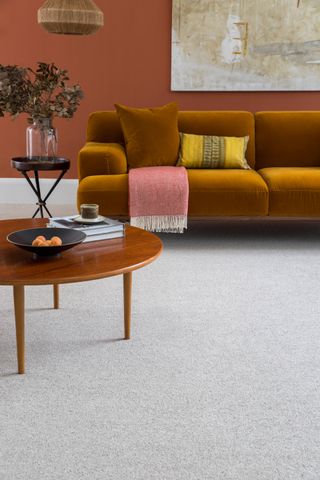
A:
(41, 94)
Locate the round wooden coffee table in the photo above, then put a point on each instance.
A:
(88, 261)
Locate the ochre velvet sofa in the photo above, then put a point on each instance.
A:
(283, 153)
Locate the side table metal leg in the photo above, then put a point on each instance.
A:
(56, 296)
(42, 206)
(36, 176)
(51, 190)
(34, 190)
(18, 295)
(35, 213)
(127, 289)
(54, 185)
(46, 209)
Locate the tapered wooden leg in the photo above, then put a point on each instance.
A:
(127, 288)
(56, 296)
(18, 295)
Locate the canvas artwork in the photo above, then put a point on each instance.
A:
(245, 45)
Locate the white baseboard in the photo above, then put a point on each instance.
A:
(17, 191)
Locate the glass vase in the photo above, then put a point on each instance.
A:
(42, 139)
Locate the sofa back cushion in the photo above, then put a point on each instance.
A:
(287, 139)
(104, 126)
(220, 123)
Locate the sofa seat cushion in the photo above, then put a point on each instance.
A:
(293, 191)
(110, 192)
(227, 192)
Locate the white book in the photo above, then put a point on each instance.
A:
(90, 232)
(104, 236)
(107, 225)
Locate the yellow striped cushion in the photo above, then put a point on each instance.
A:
(204, 151)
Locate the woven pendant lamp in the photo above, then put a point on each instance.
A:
(70, 17)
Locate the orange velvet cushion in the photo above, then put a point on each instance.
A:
(287, 139)
(221, 192)
(151, 135)
(293, 191)
(110, 192)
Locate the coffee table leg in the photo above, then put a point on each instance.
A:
(56, 296)
(18, 296)
(127, 288)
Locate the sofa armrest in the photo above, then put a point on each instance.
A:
(101, 159)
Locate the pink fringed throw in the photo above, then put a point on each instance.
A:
(158, 198)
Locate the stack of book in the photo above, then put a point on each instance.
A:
(104, 230)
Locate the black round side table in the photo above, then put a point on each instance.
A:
(36, 165)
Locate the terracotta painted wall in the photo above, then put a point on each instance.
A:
(128, 61)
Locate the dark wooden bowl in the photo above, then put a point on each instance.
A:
(24, 238)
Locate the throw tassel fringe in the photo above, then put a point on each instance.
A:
(161, 223)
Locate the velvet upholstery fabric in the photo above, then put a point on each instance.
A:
(110, 192)
(293, 191)
(221, 124)
(227, 192)
(101, 159)
(287, 139)
(104, 127)
(151, 135)
(211, 193)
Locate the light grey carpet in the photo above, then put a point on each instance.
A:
(219, 382)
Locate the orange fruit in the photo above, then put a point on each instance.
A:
(56, 241)
(36, 242)
(42, 244)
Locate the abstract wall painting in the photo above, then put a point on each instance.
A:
(245, 45)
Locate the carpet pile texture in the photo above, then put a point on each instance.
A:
(221, 380)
